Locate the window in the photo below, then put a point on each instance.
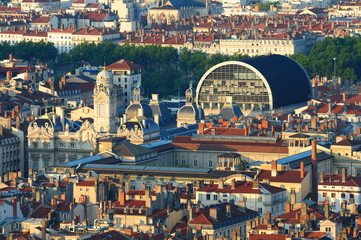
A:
(260, 210)
(324, 195)
(183, 162)
(293, 190)
(343, 195)
(208, 197)
(215, 197)
(333, 195)
(72, 145)
(195, 163)
(210, 163)
(351, 195)
(176, 162)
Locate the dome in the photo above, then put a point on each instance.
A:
(132, 110)
(104, 76)
(189, 112)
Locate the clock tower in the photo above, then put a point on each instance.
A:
(105, 103)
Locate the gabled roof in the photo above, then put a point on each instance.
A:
(336, 180)
(269, 236)
(347, 142)
(128, 149)
(203, 216)
(86, 184)
(242, 187)
(290, 176)
(123, 65)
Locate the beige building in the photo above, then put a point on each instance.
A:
(53, 140)
(172, 11)
(332, 229)
(297, 182)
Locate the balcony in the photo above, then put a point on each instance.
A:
(275, 202)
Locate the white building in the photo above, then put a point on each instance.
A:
(62, 39)
(340, 190)
(259, 197)
(126, 75)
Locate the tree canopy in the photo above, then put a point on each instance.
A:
(334, 55)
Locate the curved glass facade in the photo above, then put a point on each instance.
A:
(244, 85)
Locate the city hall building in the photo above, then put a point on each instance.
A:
(272, 83)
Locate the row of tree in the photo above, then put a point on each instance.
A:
(166, 71)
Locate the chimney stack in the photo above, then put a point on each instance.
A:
(14, 204)
(302, 169)
(213, 213)
(343, 175)
(274, 168)
(314, 172)
(122, 196)
(43, 230)
(322, 176)
(11, 57)
(233, 186)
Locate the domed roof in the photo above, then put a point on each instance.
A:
(132, 110)
(189, 112)
(104, 75)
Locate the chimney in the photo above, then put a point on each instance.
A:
(122, 196)
(17, 120)
(314, 172)
(148, 198)
(302, 170)
(11, 57)
(213, 213)
(274, 168)
(233, 184)
(228, 210)
(288, 207)
(326, 209)
(322, 176)
(255, 184)
(221, 183)
(53, 203)
(43, 230)
(1, 129)
(293, 198)
(9, 75)
(14, 204)
(201, 128)
(343, 175)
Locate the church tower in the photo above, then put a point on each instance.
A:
(105, 104)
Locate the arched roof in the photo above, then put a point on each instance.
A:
(286, 80)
